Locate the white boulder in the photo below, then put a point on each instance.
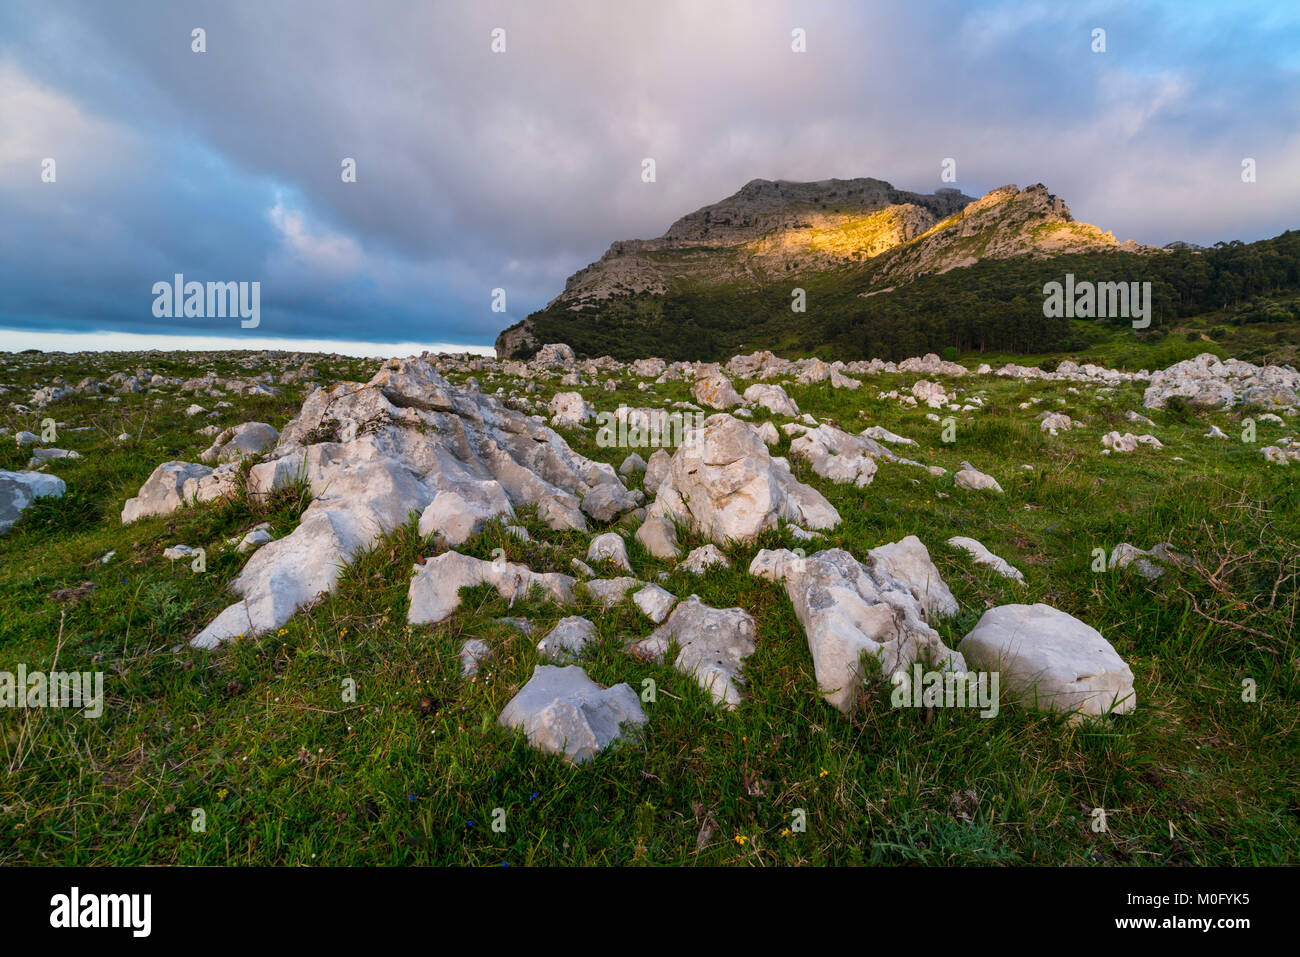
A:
(1050, 661)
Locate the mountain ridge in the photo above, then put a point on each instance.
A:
(869, 233)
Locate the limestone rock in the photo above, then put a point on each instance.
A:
(567, 639)
(1054, 422)
(655, 602)
(658, 536)
(161, 493)
(609, 591)
(633, 463)
(850, 611)
(570, 408)
(44, 456)
(931, 393)
(1148, 564)
(772, 398)
(656, 471)
(1050, 661)
(241, 441)
(1207, 381)
(1128, 442)
(19, 489)
(375, 453)
(460, 512)
(703, 558)
(985, 557)
(259, 536)
(472, 654)
(724, 484)
(712, 646)
(881, 434)
(611, 547)
(554, 355)
(608, 501)
(975, 480)
(435, 589)
(836, 455)
(564, 712)
(716, 391)
(906, 563)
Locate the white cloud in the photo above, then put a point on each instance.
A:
(331, 253)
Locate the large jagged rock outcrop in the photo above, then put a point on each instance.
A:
(375, 454)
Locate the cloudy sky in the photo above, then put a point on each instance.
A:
(478, 170)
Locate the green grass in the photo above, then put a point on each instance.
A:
(262, 738)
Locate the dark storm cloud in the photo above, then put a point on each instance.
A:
(479, 170)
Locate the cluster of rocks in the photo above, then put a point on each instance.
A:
(1282, 452)
(372, 454)
(1128, 442)
(408, 443)
(882, 611)
(297, 370)
(1208, 381)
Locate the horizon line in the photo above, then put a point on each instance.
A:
(104, 340)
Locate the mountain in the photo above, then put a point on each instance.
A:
(858, 237)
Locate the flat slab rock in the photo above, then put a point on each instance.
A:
(610, 591)
(712, 643)
(564, 712)
(435, 590)
(1050, 661)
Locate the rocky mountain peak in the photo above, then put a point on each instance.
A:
(875, 236)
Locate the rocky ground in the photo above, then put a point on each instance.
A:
(447, 608)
